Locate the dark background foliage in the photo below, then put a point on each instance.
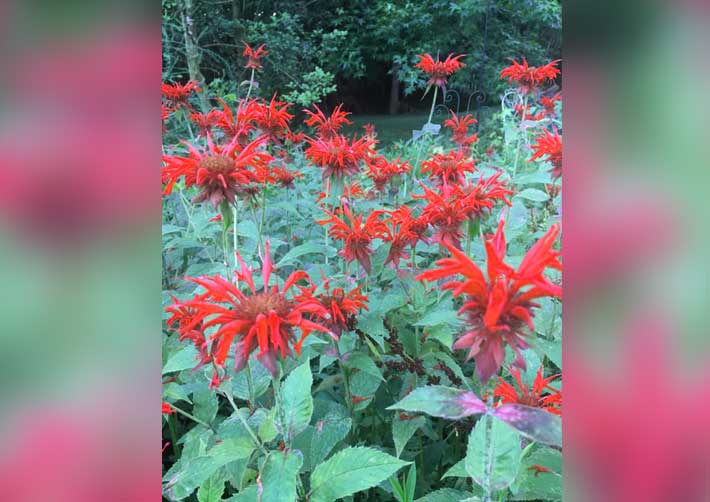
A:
(367, 46)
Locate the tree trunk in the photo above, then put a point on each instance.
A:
(394, 90)
(192, 50)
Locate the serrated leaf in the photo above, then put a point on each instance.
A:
(533, 194)
(534, 423)
(350, 471)
(184, 358)
(403, 430)
(440, 401)
(212, 489)
(279, 477)
(364, 363)
(296, 401)
(328, 432)
(505, 448)
(533, 484)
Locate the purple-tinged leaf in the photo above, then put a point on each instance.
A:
(534, 423)
(440, 401)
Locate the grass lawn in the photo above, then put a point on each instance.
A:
(391, 128)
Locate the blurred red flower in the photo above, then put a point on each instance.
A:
(167, 409)
(439, 71)
(254, 56)
(549, 145)
(523, 394)
(549, 103)
(381, 171)
(500, 307)
(459, 128)
(529, 78)
(205, 121)
(356, 232)
(327, 127)
(284, 176)
(258, 319)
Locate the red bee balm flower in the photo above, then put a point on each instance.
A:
(449, 169)
(528, 77)
(272, 119)
(551, 402)
(549, 145)
(356, 233)
(498, 308)
(254, 56)
(381, 171)
(284, 177)
(341, 306)
(177, 95)
(219, 172)
(459, 128)
(549, 103)
(439, 71)
(259, 319)
(327, 127)
(337, 156)
(168, 409)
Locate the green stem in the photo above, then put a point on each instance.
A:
(520, 136)
(251, 82)
(346, 389)
(254, 437)
(173, 436)
(191, 417)
(488, 446)
(250, 387)
(234, 229)
(433, 104)
(263, 216)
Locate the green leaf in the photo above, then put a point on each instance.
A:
(261, 379)
(297, 401)
(504, 445)
(533, 194)
(212, 489)
(351, 470)
(194, 471)
(310, 247)
(403, 430)
(184, 358)
(439, 317)
(279, 476)
(440, 401)
(176, 392)
(364, 363)
(411, 484)
(329, 431)
(458, 470)
(534, 423)
(532, 484)
(205, 404)
(445, 495)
